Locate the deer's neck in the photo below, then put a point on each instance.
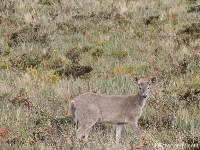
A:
(141, 99)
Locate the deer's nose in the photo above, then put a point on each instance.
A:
(144, 96)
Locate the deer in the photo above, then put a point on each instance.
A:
(90, 108)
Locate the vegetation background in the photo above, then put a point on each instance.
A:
(53, 50)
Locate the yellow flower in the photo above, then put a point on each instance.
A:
(5, 64)
(120, 69)
(31, 71)
(51, 77)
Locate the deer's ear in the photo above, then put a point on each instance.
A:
(136, 80)
(153, 80)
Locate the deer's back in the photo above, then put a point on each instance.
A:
(110, 108)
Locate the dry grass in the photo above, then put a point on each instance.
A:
(54, 50)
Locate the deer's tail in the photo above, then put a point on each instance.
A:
(72, 109)
(72, 112)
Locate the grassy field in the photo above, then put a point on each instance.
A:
(53, 50)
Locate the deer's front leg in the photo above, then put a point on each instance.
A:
(118, 132)
(135, 128)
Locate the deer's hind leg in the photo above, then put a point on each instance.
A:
(84, 129)
(86, 123)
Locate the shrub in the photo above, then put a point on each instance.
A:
(100, 16)
(96, 52)
(183, 65)
(31, 71)
(188, 33)
(73, 55)
(194, 8)
(56, 62)
(28, 34)
(173, 17)
(4, 52)
(120, 69)
(192, 30)
(151, 19)
(85, 49)
(22, 99)
(192, 141)
(26, 61)
(47, 2)
(189, 93)
(5, 64)
(119, 54)
(50, 77)
(148, 122)
(74, 70)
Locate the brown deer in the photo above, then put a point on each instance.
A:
(90, 108)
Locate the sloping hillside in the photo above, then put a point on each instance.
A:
(53, 50)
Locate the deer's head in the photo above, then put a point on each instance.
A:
(144, 86)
